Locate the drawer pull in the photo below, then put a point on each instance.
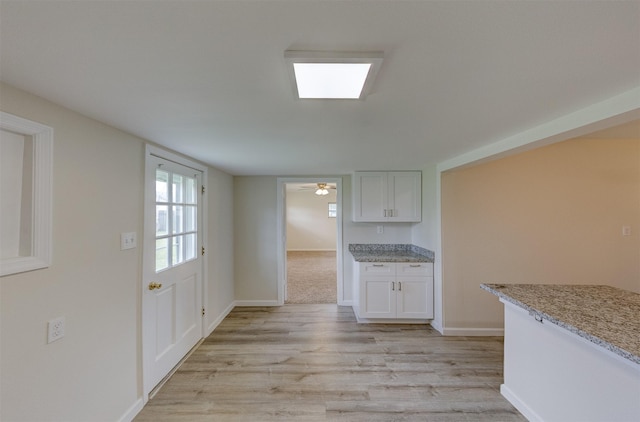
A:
(399, 286)
(378, 265)
(393, 286)
(415, 265)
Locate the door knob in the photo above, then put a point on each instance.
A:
(153, 286)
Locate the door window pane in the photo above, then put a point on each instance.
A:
(178, 188)
(178, 219)
(162, 254)
(162, 220)
(190, 246)
(177, 255)
(162, 186)
(190, 191)
(189, 218)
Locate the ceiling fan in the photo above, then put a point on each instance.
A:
(319, 189)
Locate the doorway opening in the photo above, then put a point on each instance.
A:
(310, 263)
(311, 243)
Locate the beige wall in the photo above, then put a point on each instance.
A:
(551, 215)
(255, 245)
(309, 227)
(94, 372)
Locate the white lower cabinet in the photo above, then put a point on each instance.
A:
(389, 290)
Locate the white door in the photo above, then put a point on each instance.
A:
(172, 279)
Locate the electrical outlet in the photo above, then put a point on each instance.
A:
(379, 229)
(55, 329)
(626, 230)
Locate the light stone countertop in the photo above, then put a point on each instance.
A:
(382, 252)
(604, 315)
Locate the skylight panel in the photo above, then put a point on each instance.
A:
(331, 80)
(332, 75)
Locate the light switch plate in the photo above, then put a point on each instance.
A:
(127, 240)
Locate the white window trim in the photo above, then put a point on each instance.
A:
(41, 251)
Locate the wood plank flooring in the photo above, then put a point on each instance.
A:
(315, 363)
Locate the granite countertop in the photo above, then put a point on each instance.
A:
(604, 315)
(384, 252)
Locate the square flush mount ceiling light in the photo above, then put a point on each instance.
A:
(332, 75)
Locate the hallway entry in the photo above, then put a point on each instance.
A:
(311, 241)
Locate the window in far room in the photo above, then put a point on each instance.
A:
(332, 210)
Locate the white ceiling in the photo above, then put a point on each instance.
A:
(208, 78)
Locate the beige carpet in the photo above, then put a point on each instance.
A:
(311, 277)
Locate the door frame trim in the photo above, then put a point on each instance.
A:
(151, 150)
(282, 226)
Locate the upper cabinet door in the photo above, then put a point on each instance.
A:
(370, 196)
(405, 199)
(387, 196)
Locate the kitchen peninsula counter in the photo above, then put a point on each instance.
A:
(604, 315)
(571, 352)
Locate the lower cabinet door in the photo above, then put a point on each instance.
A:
(378, 297)
(412, 298)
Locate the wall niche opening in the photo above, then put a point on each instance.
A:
(25, 194)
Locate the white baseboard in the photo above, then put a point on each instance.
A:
(391, 321)
(132, 411)
(519, 404)
(311, 250)
(219, 319)
(472, 332)
(437, 325)
(256, 303)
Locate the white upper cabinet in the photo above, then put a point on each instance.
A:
(380, 196)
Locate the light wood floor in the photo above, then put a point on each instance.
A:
(315, 363)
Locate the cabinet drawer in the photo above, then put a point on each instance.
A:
(378, 268)
(415, 268)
